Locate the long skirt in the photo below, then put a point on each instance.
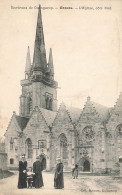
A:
(59, 181)
(38, 180)
(75, 173)
(22, 181)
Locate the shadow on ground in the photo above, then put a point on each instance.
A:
(5, 174)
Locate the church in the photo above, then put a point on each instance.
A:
(91, 137)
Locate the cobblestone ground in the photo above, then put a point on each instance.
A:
(84, 184)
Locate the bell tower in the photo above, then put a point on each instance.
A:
(39, 87)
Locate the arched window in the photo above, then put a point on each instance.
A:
(29, 104)
(47, 102)
(28, 148)
(63, 146)
(11, 143)
(50, 104)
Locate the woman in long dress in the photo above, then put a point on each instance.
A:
(37, 169)
(58, 178)
(22, 181)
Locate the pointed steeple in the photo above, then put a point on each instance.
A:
(39, 58)
(28, 61)
(50, 64)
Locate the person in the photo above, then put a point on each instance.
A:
(30, 178)
(22, 173)
(37, 169)
(58, 177)
(75, 172)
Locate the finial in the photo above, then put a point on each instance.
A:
(88, 98)
(28, 61)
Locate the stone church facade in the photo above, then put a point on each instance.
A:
(91, 137)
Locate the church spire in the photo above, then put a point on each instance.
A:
(28, 61)
(39, 58)
(50, 64)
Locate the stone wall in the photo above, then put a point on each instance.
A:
(3, 161)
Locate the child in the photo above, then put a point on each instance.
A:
(75, 172)
(30, 178)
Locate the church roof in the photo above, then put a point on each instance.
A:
(22, 121)
(74, 113)
(103, 111)
(48, 115)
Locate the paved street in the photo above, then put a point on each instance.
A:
(85, 183)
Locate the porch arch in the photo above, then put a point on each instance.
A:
(84, 165)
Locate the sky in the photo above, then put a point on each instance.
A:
(86, 46)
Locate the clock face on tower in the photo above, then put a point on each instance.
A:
(88, 133)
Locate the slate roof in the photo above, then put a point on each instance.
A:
(103, 111)
(48, 115)
(74, 113)
(22, 121)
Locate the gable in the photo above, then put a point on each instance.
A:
(37, 123)
(62, 120)
(116, 112)
(89, 114)
(13, 128)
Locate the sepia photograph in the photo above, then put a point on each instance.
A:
(61, 97)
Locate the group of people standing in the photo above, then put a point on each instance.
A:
(29, 178)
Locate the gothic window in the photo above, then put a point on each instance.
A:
(11, 161)
(119, 130)
(28, 148)
(88, 133)
(29, 104)
(11, 146)
(48, 101)
(50, 104)
(11, 143)
(63, 146)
